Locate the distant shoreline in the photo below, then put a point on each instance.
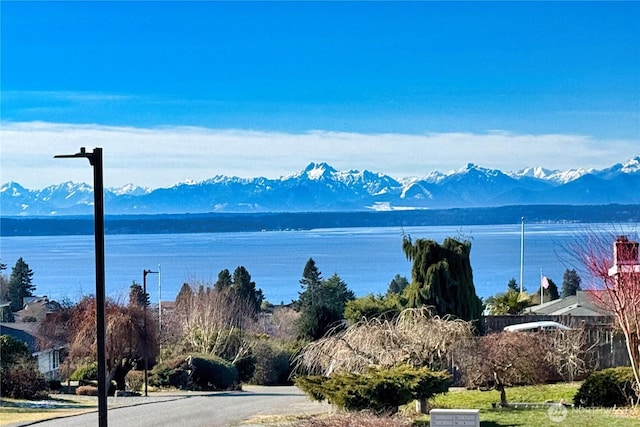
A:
(281, 221)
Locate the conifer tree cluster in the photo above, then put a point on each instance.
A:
(321, 302)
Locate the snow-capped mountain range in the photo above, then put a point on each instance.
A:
(319, 187)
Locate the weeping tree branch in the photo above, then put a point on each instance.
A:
(416, 337)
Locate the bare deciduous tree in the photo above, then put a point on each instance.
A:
(570, 352)
(213, 321)
(281, 323)
(613, 282)
(504, 359)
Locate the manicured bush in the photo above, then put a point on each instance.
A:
(245, 366)
(607, 388)
(87, 390)
(379, 390)
(272, 365)
(211, 372)
(200, 372)
(170, 374)
(134, 380)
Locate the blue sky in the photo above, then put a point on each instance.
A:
(192, 90)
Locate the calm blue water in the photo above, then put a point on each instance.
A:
(365, 258)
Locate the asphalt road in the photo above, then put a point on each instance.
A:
(199, 409)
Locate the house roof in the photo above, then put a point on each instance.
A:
(25, 332)
(575, 305)
(36, 307)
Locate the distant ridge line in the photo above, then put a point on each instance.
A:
(280, 221)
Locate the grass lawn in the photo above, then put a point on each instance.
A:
(502, 417)
(22, 411)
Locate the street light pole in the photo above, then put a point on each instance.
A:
(159, 300)
(159, 314)
(144, 326)
(95, 159)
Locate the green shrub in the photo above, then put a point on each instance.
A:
(170, 374)
(379, 390)
(22, 380)
(87, 390)
(86, 372)
(19, 375)
(212, 372)
(245, 367)
(201, 372)
(12, 350)
(272, 366)
(134, 380)
(607, 388)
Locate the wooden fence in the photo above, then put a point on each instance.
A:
(608, 345)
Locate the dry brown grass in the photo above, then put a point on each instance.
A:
(355, 420)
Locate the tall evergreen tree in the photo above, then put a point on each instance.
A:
(326, 310)
(184, 301)
(224, 281)
(137, 296)
(513, 285)
(315, 321)
(442, 277)
(552, 291)
(570, 283)
(246, 289)
(334, 294)
(397, 284)
(310, 283)
(20, 284)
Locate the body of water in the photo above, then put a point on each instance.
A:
(365, 258)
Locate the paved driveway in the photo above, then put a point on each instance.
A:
(198, 409)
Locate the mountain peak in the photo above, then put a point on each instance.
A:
(472, 167)
(318, 170)
(130, 189)
(12, 188)
(632, 165)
